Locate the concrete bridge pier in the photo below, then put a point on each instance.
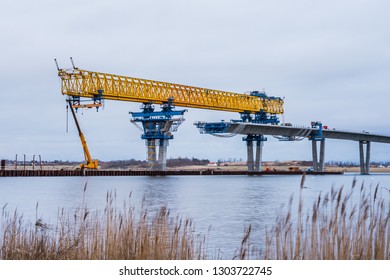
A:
(318, 163)
(259, 153)
(151, 157)
(249, 152)
(162, 155)
(254, 157)
(364, 162)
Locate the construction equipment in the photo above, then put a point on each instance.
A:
(158, 128)
(255, 107)
(88, 84)
(91, 163)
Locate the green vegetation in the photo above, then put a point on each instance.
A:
(334, 228)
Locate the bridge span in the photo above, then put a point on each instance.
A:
(317, 133)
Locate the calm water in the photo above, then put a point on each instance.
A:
(220, 206)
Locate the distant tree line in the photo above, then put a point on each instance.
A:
(123, 163)
(355, 164)
(229, 160)
(342, 163)
(173, 162)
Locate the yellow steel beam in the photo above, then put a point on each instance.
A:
(83, 83)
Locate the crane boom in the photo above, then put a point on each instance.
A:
(83, 83)
(91, 163)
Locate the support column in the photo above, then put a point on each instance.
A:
(368, 153)
(318, 163)
(249, 149)
(259, 153)
(162, 155)
(158, 126)
(361, 156)
(322, 156)
(254, 160)
(315, 155)
(151, 147)
(364, 162)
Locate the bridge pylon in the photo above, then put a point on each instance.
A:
(364, 161)
(318, 162)
(315, 137)
(254, 157)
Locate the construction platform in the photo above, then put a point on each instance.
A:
(69, 173)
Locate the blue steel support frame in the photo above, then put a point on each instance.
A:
(154, 122)
(254, 162)
(253, 156)
(156, 130)
(261, 117)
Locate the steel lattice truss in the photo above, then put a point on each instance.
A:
(88, 84)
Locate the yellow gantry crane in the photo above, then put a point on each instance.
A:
(83, 83)
(91, 163)
(96, 86)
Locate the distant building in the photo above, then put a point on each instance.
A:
(212, 164)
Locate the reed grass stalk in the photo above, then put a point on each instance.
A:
(111, 235)
(335, 228)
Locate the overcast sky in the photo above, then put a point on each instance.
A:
(329, 59)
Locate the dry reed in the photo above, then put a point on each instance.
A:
(335, 228)
(109, 235)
